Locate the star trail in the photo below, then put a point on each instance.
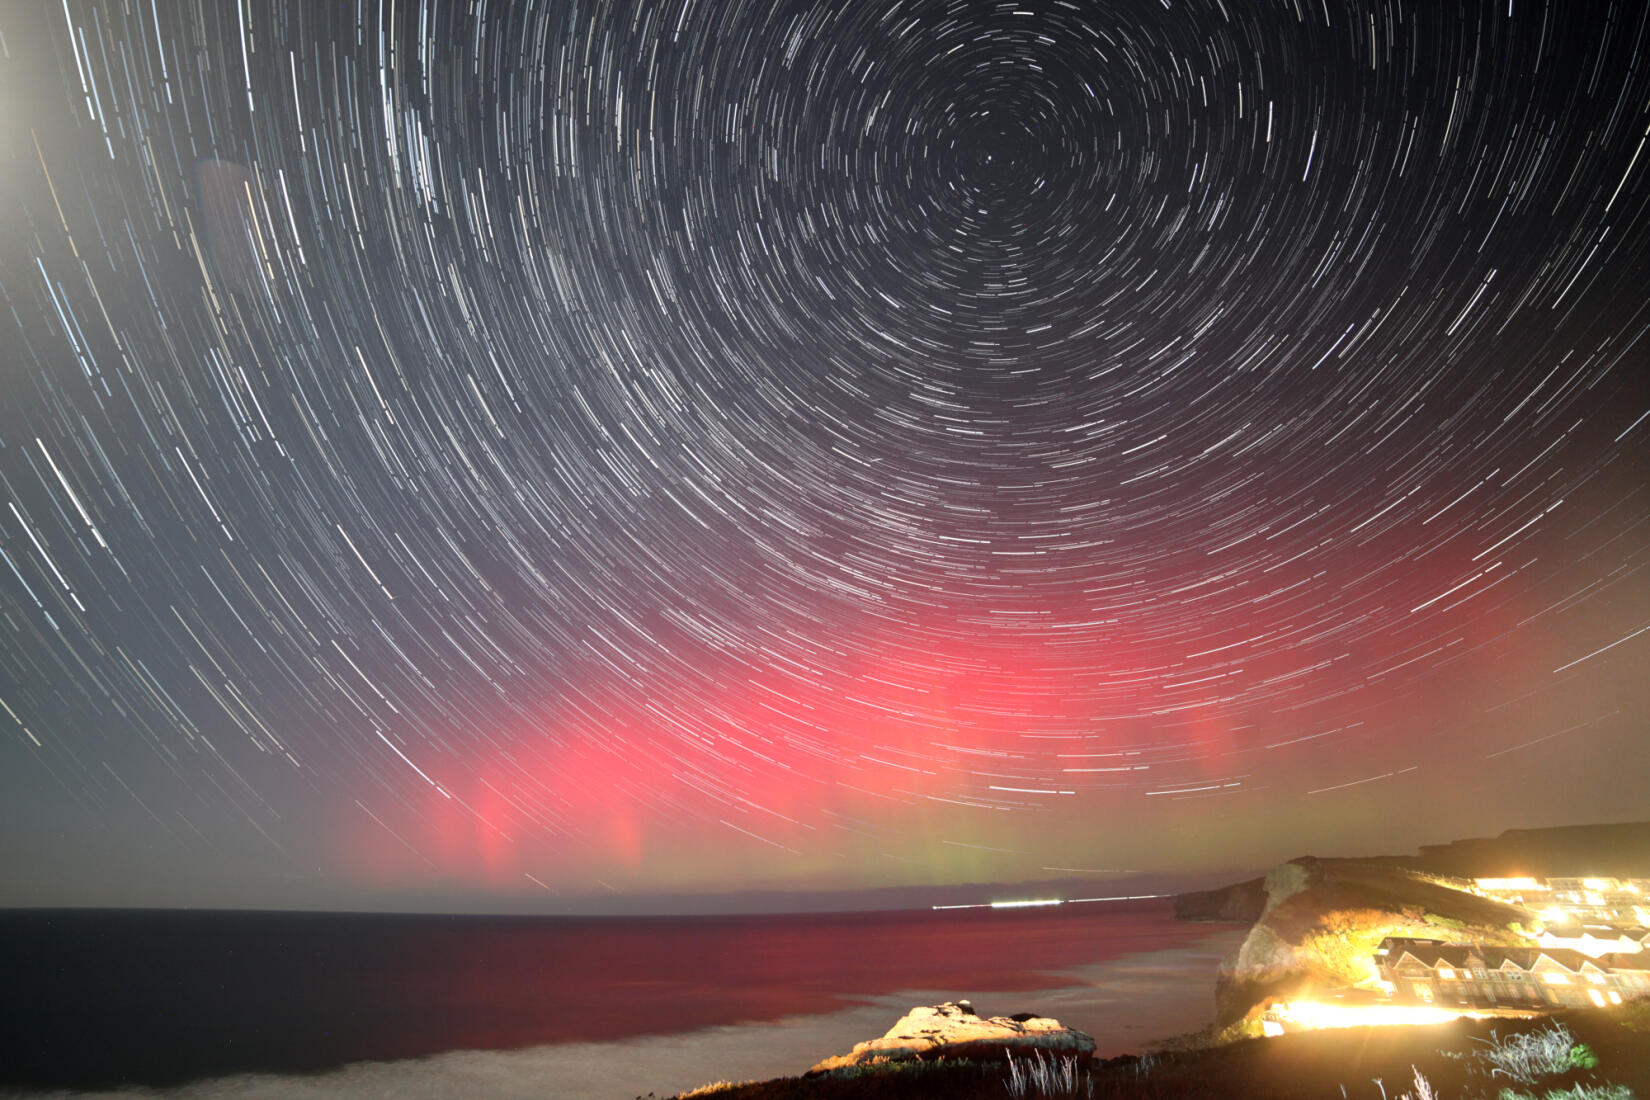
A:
(493, 450)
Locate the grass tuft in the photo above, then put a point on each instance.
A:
(1044, 1076)
(1533, 1055)
(1575, 1092)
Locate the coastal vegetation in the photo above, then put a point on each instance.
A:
(1586, 1055)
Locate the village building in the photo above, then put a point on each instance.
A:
(1446, 974)
(1596, 940)
(1568, 900)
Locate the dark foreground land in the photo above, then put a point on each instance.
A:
(1355, 1063)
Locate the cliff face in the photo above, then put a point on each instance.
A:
(1239, 904)
(1323, 918)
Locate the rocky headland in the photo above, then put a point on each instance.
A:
(1317, 922)
(1322, 919)
(1240, 903)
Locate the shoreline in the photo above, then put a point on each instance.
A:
(1131, 1001)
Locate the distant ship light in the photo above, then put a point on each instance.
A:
(1025, 904)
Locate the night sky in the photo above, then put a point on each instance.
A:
(481, 454)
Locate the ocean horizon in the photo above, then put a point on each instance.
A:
(202, 1005)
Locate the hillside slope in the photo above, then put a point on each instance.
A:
(1323, 919)
(1612, 851)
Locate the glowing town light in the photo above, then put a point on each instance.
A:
(1556, 979)
(1320, 1015)
(1615, 998)
(1508, 884)
(1598, 998)
(1446, 973)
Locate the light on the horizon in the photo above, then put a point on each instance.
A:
(1026, 904)
(1032, 902)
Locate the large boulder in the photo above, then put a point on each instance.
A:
(955, 1030)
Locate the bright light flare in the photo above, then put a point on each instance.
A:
(1323, 1015)
(1520, 883)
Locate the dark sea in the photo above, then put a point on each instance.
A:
(207, 1004)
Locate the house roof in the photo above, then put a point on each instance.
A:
(1601, 931)
(1471, 956)
(1432, 954)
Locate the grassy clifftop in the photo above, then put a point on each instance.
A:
(1612, 851)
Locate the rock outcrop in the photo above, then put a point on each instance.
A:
(954, 1030)
(1323, 919)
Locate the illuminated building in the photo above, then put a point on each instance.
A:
(1596, 941)
(1437, 973)
(1595, 900)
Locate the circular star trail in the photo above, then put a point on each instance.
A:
(496, 447)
